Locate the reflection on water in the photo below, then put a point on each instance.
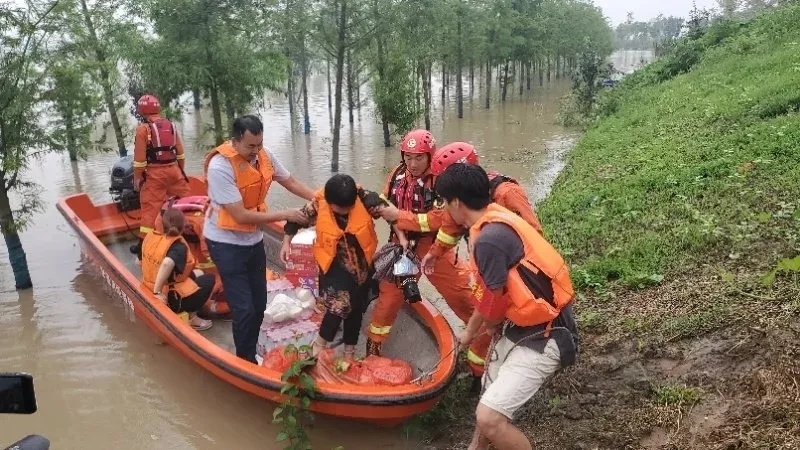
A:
(103, 381)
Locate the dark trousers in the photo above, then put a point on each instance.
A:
(194, 302)
(352, 323)
(242, 270)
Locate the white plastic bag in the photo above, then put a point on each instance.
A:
(305, 297)
(283, 307)
(404, 267)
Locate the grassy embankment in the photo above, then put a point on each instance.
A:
(679, 199)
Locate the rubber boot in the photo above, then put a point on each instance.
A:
(373, 347)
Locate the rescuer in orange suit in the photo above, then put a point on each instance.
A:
(158, 160)
(505, 191)
(411, 188)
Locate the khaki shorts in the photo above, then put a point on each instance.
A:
(515, 374)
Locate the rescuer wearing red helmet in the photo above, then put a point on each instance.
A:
(505, 191)
(158, 161)
(411, 188)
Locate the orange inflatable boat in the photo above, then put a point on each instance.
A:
(422, 335)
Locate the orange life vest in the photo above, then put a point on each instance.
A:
(524, 307)
(253, 184)
(154, 249)
(359, 223)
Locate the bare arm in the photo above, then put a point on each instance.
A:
(164, 271)
(246, 217)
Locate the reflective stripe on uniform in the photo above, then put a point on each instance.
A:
(422, 219)
(205, 265)
(138, 165)
(380, 330)
(446, 238)
(181, 156)
(145, 230)
(475, 359)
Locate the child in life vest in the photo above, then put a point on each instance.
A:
(344, 248)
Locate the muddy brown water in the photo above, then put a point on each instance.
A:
(104, 381)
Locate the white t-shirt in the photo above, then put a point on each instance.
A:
(222, 190)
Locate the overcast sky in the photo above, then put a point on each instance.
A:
(617, 10)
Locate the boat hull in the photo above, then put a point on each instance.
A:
(96, 225)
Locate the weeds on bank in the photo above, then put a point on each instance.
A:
(675, 395)
(293, 416)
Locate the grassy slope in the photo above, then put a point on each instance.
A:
(684, 169)
(670, 210)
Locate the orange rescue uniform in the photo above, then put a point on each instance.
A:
(506, 192)
(451, 278)
(154, 250)
(159, 166)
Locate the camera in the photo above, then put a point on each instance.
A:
(410, 289)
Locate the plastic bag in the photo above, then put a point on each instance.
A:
(405, 267)
(385, 259)
(277, 359)
(388, 372)
(283, 307)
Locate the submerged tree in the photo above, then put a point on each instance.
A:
(22, 46)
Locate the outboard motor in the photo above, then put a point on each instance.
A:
(121, 190)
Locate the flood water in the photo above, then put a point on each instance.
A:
(104, 381)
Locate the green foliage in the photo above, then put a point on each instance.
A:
(23, 57)
(674, 395)
(395, 96)
(293, 416)
(680, 168)
(74, 99)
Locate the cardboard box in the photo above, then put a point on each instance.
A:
(302, 269)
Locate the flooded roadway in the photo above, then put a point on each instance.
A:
(103, 381)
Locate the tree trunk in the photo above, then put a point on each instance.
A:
(488, 83)
(541, 73)
(350, 86)
(528, 74)
(558, 67)
(230, 113)
(521, 79)
(328, 78)
(418, 86)
(459, 66)
(304, 88)
(216, 111)
(444, 84)
(471, 79)
(16, 254)
(337, 115)
(387, 142)
(427, 69)
(549, 68)
(196, 97)
(290, 93)
(505, 82)
(69, 126)
(105, 79)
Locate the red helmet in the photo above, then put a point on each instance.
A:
(418, 141)
(454, 152)
(148, 105)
